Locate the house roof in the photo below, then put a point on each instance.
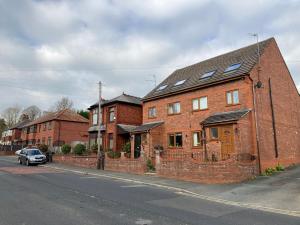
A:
(123, 98)
(65, 115)
(225, 117)
(247, 56)
(20, 124)
(147, 126)
(125, 128)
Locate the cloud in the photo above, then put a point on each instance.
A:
(50, 49)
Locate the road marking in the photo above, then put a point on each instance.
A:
(133, 186)
(89, 177)
(190, 193)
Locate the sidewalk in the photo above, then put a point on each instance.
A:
(279, 193)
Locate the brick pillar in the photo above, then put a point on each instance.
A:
(132, 145)
(157, 158)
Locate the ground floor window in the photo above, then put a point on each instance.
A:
(49, 141)
(110, 141)
(175, 140)
(197, 139)
(214, 133)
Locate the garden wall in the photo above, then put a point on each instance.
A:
(81, 161)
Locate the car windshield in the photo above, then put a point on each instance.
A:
(34, 152)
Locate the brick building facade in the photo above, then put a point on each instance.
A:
(240, 106)
(119, 116)
(56, 129)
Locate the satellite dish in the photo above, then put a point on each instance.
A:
(259, 84)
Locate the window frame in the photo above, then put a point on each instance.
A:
(174, 140)
(200, 140)
(150, 110)
(95, 115)
(110, 138)
(114, 114)
(210, 133)
(198, 100)
(231, 97)
(173, 103)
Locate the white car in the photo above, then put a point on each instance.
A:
(18, 152)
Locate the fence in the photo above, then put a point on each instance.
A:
(10, 147)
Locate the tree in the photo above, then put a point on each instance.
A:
(63, 103)
(33, 112)
(84, 113)
(3, 126)
(11, 115)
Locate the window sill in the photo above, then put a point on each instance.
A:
(174, 114)
(199, 110)
(154, 117)
(228, 105)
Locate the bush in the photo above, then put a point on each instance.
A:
(66, 149)
(150, 166)
(127, 147)
(43, 148)
(270, 171)
(79, 149)
(279, 168)
(94, 148)
(113, 155)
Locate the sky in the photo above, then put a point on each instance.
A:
(51, 49)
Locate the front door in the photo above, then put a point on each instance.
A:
(226, 138)
(137, 145)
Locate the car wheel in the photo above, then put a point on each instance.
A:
(27, 163)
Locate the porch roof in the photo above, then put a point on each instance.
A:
(147, 126)
(125, 128)
(225, 117)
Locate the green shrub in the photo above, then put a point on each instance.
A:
(79, 149)
(113, 155)
(279, 168)
(150, 166)
(127, 148)
(43, 148)
(66, 149)
(269, 171)
(94, 148)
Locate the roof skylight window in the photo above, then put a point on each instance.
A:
(162, 87)
(208, 74)
(179, 82)
(232, 67)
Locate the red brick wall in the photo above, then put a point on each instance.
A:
(189, 120)
(286, 103)
(129, 114)
(81, 161)
(71, 131)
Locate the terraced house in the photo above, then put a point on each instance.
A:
(225, 118)
(119, 116)
(55, 129)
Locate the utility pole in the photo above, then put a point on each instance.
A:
(153, 80)
(100, 161)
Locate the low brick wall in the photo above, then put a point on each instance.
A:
(228, 171)
(6, 153)
(81, 161)
(124, 164)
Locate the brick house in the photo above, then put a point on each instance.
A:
(55, 129)
(120, 116)
(239, 106)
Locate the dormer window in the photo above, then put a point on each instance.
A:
(232, 67)
(162, 87)
(179, 82)
(208, 74)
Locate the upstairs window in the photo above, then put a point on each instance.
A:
(112, 114)
(179, 82)
(49, 125)
(232, 97)
(152, 112)
(208, 74)
(44, 126)
(174, 108)
(95, 116)
(161, 87)
(200, 103)
(232, 67)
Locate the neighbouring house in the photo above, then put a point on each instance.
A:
(17, 131)
(226, 118)
(55, 129)
(6, 138)
(119, 116)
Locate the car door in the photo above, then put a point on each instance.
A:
(23, 156)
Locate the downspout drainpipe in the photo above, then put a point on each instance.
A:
(256, 126)
(204, 142)
(59, 126)
(273, 120)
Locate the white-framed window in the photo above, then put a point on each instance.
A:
(95, 116)
(200, 103)
(112, 114)
(232, 97)
(152, 112)
(197, 139)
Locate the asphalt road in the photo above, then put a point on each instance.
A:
(42, 196)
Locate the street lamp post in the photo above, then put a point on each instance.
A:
(100, 158)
